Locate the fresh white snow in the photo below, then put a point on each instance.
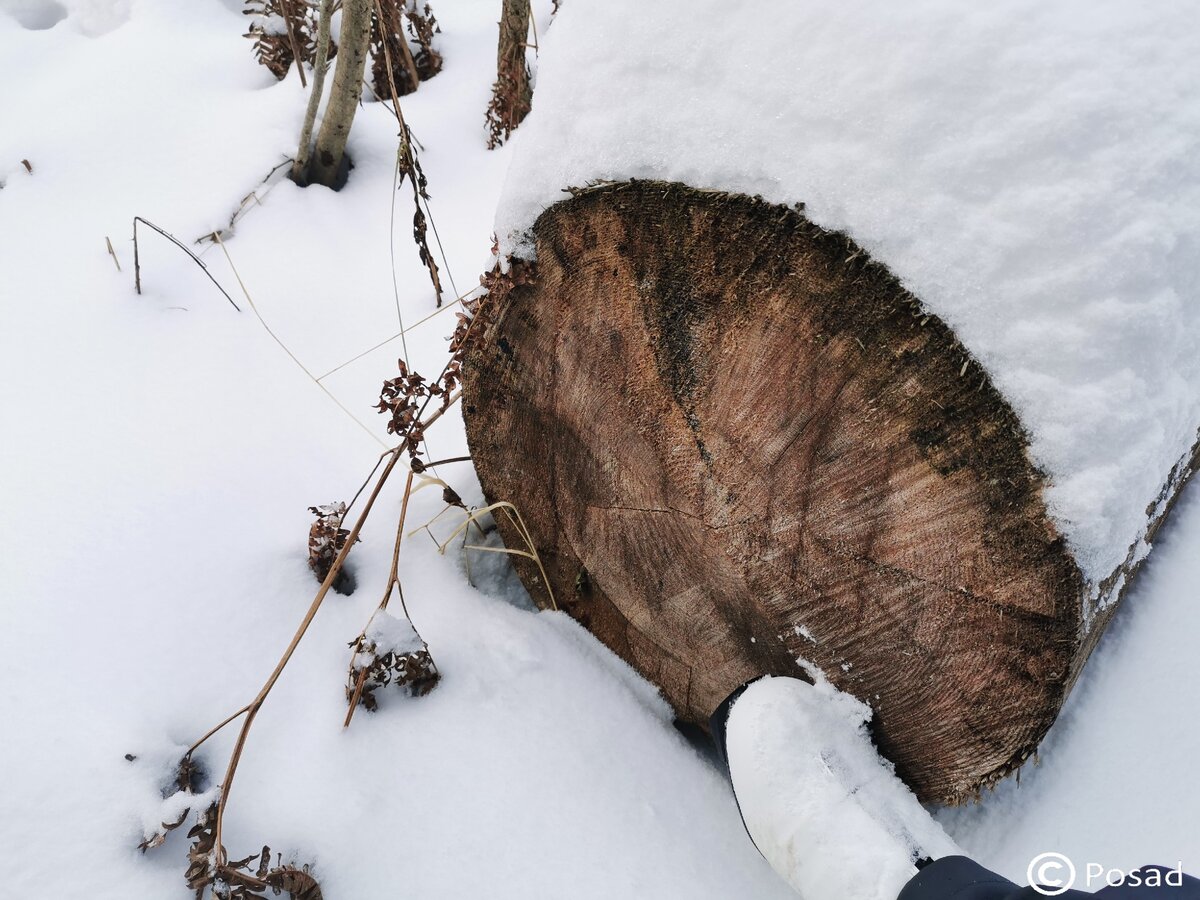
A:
(1029, 170)
(392, 634)
(159, 454)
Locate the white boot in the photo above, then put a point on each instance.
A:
(824, 809)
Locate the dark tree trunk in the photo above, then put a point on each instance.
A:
(512, 94)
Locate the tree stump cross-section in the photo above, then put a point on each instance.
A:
(739, 443)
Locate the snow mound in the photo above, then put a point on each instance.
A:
(825, 809)
(1030, 170)
(389, 634)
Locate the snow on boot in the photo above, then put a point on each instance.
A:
(825, 810)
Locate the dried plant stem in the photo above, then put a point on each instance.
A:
(303, 154)
(196, 746)
(441, 310)
(394, 576)
(291, 33)
(244, 206)
(406, 161)
(284, 347)
(112, 253)
(443, 462)
(252, 708)
(137, 266)
(393, 583)
(357, 696)
(256, 704)
(400, 334)
(379, 462)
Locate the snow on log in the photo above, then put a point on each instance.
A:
(867, 334)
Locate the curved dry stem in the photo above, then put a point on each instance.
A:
(192, 749)
(256, 704)
(394, 575)
(137, 264)
(367, 480)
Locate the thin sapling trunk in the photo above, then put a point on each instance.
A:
(329, 165)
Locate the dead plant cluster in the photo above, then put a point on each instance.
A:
(286, 30)
(186, 781)
(402, 398)
(374, 667)
(478, 315)
(282, 31)
(408, 31)
(326, 538)
(408, 168)
(208, 871)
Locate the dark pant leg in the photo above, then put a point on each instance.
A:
(960, 878)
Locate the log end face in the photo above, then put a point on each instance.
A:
(739, 444)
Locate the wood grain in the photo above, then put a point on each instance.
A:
(739, 442)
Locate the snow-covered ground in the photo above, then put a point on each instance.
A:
(159, 453)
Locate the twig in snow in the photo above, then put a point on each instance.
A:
(112, 253)
(137, 266)
(244, 205)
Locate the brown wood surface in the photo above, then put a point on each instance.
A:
(728, 430)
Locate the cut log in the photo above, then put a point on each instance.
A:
(742, 442)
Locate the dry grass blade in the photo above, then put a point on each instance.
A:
(112, 252)
(514, 516)
(284, 347)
